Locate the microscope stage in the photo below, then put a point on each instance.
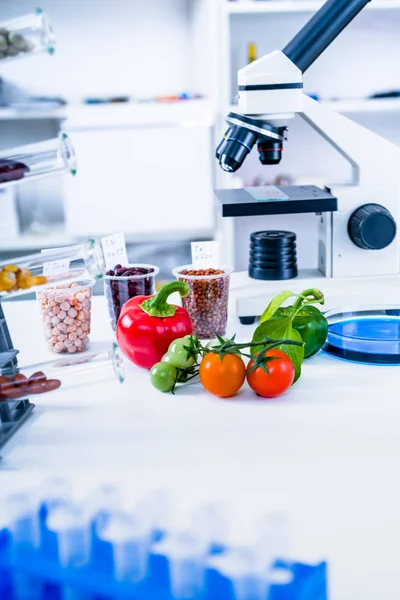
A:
(274, 200)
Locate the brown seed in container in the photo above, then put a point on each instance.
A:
(207, 302)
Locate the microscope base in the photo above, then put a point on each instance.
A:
(250, 297)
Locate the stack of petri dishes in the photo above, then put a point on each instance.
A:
(273, 255)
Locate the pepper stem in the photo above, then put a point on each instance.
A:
(317, 297)
(157, 306)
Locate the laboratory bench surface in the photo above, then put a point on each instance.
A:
(327, 453)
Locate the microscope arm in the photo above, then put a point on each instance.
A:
(373, 158)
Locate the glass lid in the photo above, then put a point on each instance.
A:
(365, 334)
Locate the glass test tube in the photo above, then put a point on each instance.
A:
(72, 530)
(29, 34)
(210, 523)
(42, 270)
(130, 541)
(249, 579)
(186, 557)
(64, 374)
(20, 513)
(38, 160)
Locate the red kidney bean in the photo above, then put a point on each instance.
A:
(119, 291)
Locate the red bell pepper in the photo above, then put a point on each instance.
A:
(148, 324)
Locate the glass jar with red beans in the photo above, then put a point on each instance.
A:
(123, 283)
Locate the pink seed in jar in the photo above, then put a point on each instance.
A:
(78, 342)
(54, 339)
(81, 316)
(52, 303)
(72, 336)
(71, 348)
(83, 335)
(86, 341)
(72, 312)
(79, 330)
(56, 331)
(71, 328)
(59, 347)
(62, 327)
(47, 319)
(68, 320)
(51, 314)
(55, 321)
(84, 326)
(78, 305)
(80, 296)
(62, 337)
(65, 306)
(60, 298)
(68, 343)
(74, 285)
(56, 310)
(62, 314)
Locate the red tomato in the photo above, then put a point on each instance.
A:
(222, 376)
(279, 379)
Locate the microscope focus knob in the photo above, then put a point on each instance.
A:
(372, 227)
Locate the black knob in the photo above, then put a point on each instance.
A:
(372, 227)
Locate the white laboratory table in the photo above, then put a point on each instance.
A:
(327, 453)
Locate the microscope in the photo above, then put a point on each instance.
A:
(358, 245)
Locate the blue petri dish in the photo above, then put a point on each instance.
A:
(365, 334)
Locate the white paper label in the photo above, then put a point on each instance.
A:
(56, 267)
(114, 249)
(205, 255)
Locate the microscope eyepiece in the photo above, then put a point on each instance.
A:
(236, 145)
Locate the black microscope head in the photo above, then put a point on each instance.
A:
(243, 133)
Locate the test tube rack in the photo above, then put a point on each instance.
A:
(45, 570)
(13, 413)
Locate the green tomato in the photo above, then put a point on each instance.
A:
(177, 355)
(213, 343)
(163, 376)
(167, 359)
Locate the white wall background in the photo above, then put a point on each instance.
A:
(108, 47)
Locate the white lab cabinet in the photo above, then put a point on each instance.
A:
(148, 181)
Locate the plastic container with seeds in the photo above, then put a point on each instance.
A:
(66, 313)
(207, 302)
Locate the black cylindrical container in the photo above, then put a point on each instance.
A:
(273, 255)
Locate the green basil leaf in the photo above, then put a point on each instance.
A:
(281, 329)
(275, 304)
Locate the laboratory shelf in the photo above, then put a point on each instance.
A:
(294, 6)
(138, 114)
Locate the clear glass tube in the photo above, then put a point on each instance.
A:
(29, 34)
(38, 160)
(63, 374)
(39, 271)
